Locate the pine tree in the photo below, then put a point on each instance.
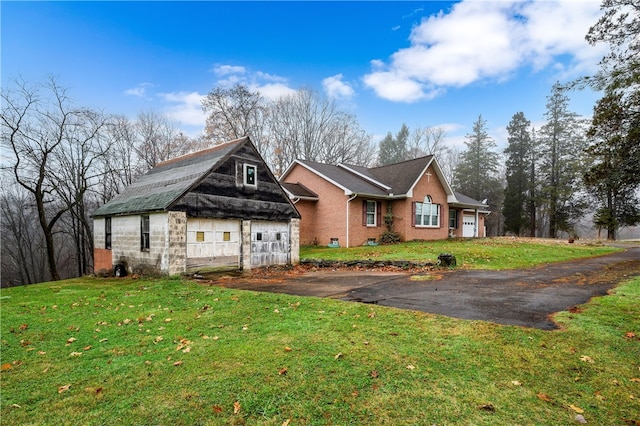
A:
(614, 174)
(516, 194)
(476, 175)
(562, 144)
(393, 150)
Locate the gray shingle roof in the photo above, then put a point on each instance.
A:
(298, 190)
(168, 181)
(346, 179)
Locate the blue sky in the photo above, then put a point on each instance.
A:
(420, 63)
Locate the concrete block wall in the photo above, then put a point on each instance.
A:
(294, 241)
(126, 243)
(177, 243)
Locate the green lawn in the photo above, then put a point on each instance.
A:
(484, 253)
(174, 352)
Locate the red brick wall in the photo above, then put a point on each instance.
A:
(102, 260)
(329, 219)
(402, 210)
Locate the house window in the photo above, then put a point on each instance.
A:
(226, 236)
(453, 219)
(200, 236)
(144, 233)
(249, 174)
(278, 236)
(427, 213)
(259, 236)
(371, 213)
(107, 233)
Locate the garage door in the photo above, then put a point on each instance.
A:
(269, 243)
(468, 225)
(212, 243)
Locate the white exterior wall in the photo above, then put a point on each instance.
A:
(125, 231)
(98, 233)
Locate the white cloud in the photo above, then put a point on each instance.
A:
(481, 40)
(228, 69)
(334, 87)
(139, 91)
(185, 107)
(270, 86)
(272, 91)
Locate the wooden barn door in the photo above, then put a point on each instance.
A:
(212, 243)
(269, 243)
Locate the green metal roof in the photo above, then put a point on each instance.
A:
(168, 181)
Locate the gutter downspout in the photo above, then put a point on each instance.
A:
(476, 230)
(348, 202)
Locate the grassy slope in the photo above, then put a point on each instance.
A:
(489, 253)
(304, 360)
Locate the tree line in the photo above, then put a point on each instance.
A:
(60, 161)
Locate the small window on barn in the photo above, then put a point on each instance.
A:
(278, 236)
(144, 233)
(200, 236)
(107, 233)
(226, 236)
(258, 236)
(249, 175)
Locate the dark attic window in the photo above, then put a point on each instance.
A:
(250, 172)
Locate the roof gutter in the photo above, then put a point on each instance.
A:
(349, 202)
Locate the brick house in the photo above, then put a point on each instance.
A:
(220, 207)
(345, 205)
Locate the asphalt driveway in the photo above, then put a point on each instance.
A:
(524, 297)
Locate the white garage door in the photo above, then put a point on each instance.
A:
(212, 243)
(269, 243)
(468, 225)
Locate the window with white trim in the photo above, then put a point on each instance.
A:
(371, 213)
(145, 242)
(427, 213)
(250, 175)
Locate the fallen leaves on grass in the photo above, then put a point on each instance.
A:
(177, 363)
(411, 367)
(338, 355)
(585, 358)
(282, 371)
(217, 409)
(544, 397)
(576, 409)
(63, 388)
(70, 340)
(236, 407)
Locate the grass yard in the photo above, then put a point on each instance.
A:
(173, 352)
(484, 253)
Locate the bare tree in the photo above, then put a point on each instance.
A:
(306, 126)
(234, 113)
(39, 124)
(158, 139)
(23, 259)
(427, 141)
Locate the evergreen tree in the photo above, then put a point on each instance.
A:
(476, 175)
(393, 150)
(516, 195)
(562, 144)
(614, 174)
